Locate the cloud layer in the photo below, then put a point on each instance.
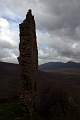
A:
(58, 28)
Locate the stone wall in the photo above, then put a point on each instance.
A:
(28, 60)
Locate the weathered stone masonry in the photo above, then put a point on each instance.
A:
(28, 58)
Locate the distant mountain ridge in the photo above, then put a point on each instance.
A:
(13, 68)
(59, 65)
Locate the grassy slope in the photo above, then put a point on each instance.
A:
(13, 111)
(59, 94)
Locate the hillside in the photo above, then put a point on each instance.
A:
(9, 80)
(59, 95)
(58, 91)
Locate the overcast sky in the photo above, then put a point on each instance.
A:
(57, 23)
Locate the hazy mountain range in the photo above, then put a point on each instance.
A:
(12, 68)
(59, 66)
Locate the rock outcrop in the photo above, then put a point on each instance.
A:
(28, 58)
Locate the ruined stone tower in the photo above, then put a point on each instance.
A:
(28, 58)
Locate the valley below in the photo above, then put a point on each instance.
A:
(58, 93)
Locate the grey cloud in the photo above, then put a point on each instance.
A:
(8, 42)
(5, 44)
(4, 53)
(58, 22)
(8, 55)
(62, 19)
(8, 52)
(60, 14)
(50, 14)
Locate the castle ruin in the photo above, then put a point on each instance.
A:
(28, 58)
